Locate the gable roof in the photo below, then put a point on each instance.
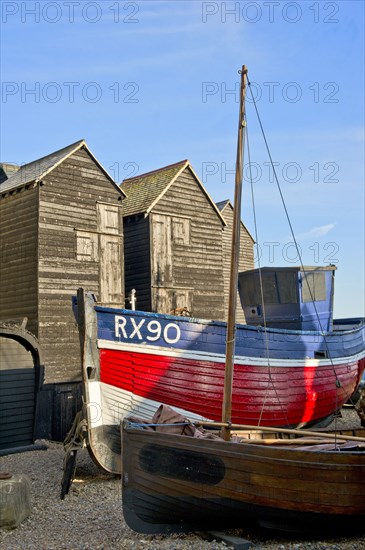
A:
(144, 191)
(7, 169)
(222, 206)
(36, 170)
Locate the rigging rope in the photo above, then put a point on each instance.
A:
(337, 381)
(270, 382)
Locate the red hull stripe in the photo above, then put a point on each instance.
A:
(220, 358)
(273, 397)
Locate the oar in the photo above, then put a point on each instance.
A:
(283, 442)
(278, 430)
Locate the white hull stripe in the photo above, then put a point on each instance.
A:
(220, 358)
(115, 404)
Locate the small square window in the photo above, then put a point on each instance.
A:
(181, 231)
(87, 249)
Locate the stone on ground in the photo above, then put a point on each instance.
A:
(14, 501)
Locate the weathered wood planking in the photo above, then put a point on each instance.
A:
(137, 260)
(61, 271)
(61, 230)
(173, 254)
(20, 376)
(174, 483)
(246, 259)
(17, 394)
(18, 229)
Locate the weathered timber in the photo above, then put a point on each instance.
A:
(173, 243)
(18, 288)
(175, 483)
(246, 257)
(61, 228)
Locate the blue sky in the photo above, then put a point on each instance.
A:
(149, 83)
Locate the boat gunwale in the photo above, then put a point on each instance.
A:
(255, 328)
(262, 451)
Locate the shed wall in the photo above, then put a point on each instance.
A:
(69, 257)
(18, 266)
(196, 248)
(246, 259)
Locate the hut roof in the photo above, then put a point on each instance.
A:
(144, 191)
(36, 170)
(222, 205)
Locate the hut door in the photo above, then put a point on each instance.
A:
(161, 250)
(17, 394)
(110, 255)
(110, 270)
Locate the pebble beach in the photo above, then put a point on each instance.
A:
(90, 517)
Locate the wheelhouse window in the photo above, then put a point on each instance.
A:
(313, 286)
(287, 287)
(278, 287)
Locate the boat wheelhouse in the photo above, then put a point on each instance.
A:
(298, 298)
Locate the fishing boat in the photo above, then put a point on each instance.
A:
(133, 361)
(177, 477)
(293, 365)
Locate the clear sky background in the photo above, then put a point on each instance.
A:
(148, 83)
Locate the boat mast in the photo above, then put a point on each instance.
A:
(235, 251)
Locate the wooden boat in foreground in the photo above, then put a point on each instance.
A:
(175, 483)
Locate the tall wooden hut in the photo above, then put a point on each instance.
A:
(61, 228)
(173, 243)
(246, 259)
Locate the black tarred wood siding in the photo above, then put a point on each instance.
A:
(17, 395)
(199, 263)
(137, 260)
(194, 266)
(18, 266)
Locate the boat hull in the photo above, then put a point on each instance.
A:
(286, 393)
(177, 483)
(134, 361)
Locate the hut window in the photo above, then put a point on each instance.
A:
(86, 246)
(313, 286)
(108, 218)
(181, 230)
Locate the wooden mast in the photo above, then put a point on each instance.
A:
(233, 284)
